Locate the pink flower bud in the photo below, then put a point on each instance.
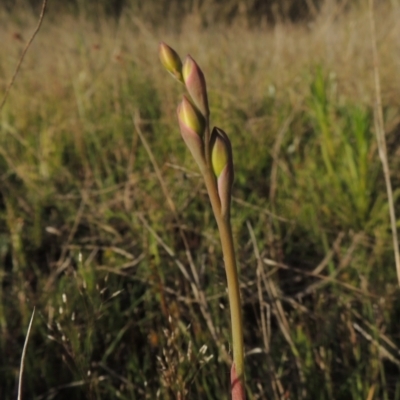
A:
(196, 85)
(170, 60)
(192, 126)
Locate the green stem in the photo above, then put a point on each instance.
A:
(228, 250)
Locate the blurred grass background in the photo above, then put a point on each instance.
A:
(89, 238)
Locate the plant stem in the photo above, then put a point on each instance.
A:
(228, 251)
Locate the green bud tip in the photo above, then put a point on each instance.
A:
(190, 116)
(222, 165)
(170, 60)
(221, 152)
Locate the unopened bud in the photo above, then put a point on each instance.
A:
(192, 126)
(170, 60)
(221, 150)
(196, 85)
(222, 164)
(190, 116)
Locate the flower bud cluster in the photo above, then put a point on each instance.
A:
(193, 116)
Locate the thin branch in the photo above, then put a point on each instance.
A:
(136, 122)
(21, 368)
(275, 381)
(17, 68)
(275, 156)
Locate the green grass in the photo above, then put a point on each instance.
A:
(87, 235)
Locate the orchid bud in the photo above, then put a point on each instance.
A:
(191, 117)
(221, 151)
(170, 60)
(192, 125)
(222, 164)
(196, 85)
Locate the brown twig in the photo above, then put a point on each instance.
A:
(342, 265)
(275, 381)
(21, 368)
(21, 59)
(200, 299)
(136, 122)
(324, 279)
(274, 295)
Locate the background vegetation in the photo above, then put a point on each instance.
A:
(210, 11)
(89, 236)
